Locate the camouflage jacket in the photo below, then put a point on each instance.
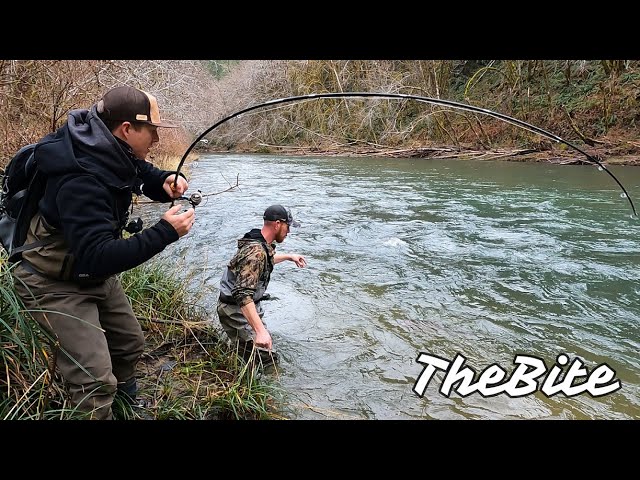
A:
(247, 275)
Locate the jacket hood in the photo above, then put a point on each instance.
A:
(85, 145)
(252, 236)
(255, 236)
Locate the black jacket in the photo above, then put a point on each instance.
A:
(90, 178)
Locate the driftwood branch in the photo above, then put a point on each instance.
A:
(415, 152)
(237, 185)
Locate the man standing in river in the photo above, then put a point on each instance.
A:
(245, 280)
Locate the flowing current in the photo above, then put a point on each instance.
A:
(486, 259)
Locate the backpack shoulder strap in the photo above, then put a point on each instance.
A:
(16, 252)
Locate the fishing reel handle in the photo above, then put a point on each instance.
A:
(194, 199)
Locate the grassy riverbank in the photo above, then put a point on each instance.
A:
(187, 370)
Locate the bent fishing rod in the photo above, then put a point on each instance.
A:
(448, 103)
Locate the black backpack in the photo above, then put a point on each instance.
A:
(22, 188)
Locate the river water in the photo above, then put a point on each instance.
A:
(486, 259)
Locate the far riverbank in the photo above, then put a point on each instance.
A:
(607, 156)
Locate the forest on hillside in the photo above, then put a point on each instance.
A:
(592, 103)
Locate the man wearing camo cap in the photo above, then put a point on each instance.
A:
(245, 280)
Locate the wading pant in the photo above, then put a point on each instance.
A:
(241, 333)
(93, 362)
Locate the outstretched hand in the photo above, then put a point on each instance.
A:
(299, 260)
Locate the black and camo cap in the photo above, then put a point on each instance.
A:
(278, 212)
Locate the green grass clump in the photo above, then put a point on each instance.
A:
(187, 370)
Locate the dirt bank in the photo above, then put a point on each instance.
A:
(606, 155)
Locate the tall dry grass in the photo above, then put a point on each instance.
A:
(576, 99)
(37, 95)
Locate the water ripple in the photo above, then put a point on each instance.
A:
(485, 259)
